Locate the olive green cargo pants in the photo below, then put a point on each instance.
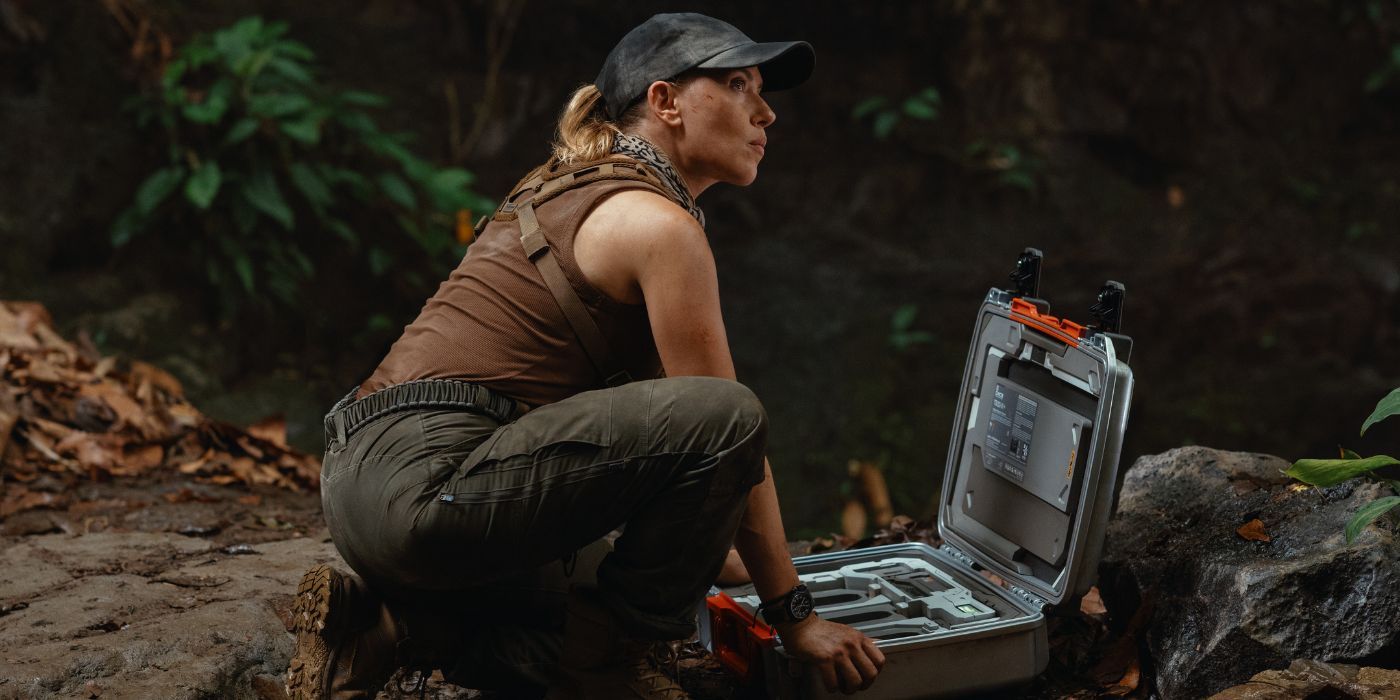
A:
(466, 519)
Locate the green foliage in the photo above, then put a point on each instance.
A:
(1014, 168)
(277, 170)
(1368, 513)
(1385, 408)
(902, 336)
(1329, 472)
(886, 113)
(1387, 72)
(1358, 230)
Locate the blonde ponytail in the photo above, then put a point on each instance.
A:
(584, 132)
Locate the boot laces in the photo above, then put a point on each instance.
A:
(420, 682)
(415, 659)
(658, 683)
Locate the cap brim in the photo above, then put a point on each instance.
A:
(784, 64)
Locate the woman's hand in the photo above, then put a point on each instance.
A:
(845, 658)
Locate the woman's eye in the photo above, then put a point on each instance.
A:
(738, 84)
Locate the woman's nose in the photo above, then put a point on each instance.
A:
(765, 116)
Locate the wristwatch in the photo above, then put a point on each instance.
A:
(794, 606)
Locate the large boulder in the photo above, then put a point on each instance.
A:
(1315, 679)
(1229, 603)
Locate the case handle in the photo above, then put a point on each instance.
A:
(1025, 277)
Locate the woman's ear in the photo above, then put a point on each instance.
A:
(661, 101)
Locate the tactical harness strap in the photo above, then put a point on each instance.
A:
(543, 184)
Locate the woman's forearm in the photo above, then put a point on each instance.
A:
(761, 542)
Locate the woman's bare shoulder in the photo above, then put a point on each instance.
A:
(640, 212)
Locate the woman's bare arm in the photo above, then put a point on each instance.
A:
(638, 246)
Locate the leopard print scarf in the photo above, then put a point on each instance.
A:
(648, 154)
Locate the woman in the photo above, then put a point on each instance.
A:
(483, 448)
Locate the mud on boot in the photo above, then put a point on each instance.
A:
(346, 639)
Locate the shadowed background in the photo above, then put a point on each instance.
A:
(1234, 165)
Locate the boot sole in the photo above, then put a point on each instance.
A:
(310, 622)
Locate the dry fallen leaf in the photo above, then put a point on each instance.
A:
(91, 450)
(1253, 531)
(195, 466)
(79, 413)
(31, 314)
(185, 495)
(248, 445)
(7, 423)
(20, 499)
(104, 367)
(44, 372)
(142, 458)
(243, 468)
(39, 441)
(184, 415)
(272, 429)
(1092, 603)
(1129, 682)
(157, 377)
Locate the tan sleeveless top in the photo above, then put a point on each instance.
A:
(495, 323)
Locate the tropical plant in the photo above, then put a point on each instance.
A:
(1386, 73)
(886, 113)
(902, 333)
(268, 170)
(1013, 166)
(1329, 472)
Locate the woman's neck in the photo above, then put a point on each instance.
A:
(665, 141)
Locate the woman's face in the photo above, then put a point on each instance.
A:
(723, 118)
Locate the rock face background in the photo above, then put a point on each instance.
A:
(1226, 607)
(1244, 191)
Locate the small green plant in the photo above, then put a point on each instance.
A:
(1386, 73)
(267, 168)
(1014, 167)
(886, 113)
(902, 333)
(1328, 472)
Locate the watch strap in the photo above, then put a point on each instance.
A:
(778, 610)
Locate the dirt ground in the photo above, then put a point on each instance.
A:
(161, 586)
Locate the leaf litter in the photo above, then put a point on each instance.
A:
(69, 413)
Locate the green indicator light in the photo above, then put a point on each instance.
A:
(969, 609)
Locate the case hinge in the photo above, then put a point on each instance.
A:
(1035, 602)
(957, 554)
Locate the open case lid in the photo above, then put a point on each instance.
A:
(1033, 458)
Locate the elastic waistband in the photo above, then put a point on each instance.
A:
(349, 415)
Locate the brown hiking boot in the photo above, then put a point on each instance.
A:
(347, 639)
(598, 663)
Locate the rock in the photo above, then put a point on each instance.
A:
(1227, 607)
(1314, 679)
(117, 614)
(132, 616)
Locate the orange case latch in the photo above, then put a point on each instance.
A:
(1058, 328)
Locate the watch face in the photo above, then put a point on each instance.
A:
(800, 605)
